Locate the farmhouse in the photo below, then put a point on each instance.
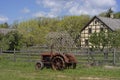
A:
(97, 24)
(5, 30)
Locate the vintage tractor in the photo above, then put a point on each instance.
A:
(56, 61)
(58, 41)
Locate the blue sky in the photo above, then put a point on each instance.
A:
(12, 10)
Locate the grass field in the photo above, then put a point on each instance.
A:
(10, 70)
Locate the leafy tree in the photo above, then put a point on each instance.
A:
(103, 14)
(14, 40)
(15, 24)
(33, 33)
(51, 23)
(115, 38)
(35, 30)
(94, 39)
(4, 25)
(102, 39)
(109, 12)
(3, 42)
(117, 15)
(73, 25)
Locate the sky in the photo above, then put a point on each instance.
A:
(19, 10)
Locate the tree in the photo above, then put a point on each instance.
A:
(94, 39)
(117, 15)
(35, 30)
(33, 33)
(4, 25)
(14, 40)
(103, 14)
(3, 42)
(109, 12)
(15, 24)
(114, 38)
(51, 23)
(73, 25)
(102, 39)
(60, 41)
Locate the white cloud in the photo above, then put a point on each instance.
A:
(44, 14)
(103, 3)
(25, 10)
(75, 7)
(3, 19)
(39, 14)
(38, 2)
(55, 7)
(91, 7)
(51, 15)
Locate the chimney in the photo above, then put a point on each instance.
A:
(111, 15)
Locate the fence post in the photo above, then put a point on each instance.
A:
(14, 56)
(88, 55)
(29, 54)
(0, 50)
(114, 51)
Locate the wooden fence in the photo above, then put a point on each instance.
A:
(111, 57)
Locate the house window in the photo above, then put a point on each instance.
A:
(96, 21)
(89, 30)
(101, 29)
(86, 42)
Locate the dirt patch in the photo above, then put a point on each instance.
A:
(111, 67)
(82, 78)
(61, 76)
(93, 78)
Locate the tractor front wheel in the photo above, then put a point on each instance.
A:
(39, 65)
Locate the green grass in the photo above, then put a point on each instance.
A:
(10, 70)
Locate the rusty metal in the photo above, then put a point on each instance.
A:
(56, 61)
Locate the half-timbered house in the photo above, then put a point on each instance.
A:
(97, 24)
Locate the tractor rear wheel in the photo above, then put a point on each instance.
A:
(39, 65)
(58, 63)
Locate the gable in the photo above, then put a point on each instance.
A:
(99, 20)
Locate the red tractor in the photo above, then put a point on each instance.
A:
(56, 61)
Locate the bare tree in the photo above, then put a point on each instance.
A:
(60, 41)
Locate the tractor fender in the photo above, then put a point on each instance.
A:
(66, 60)
(71, 58)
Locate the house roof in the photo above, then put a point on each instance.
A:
(5, 30)
(111, 23)
(114, 24)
